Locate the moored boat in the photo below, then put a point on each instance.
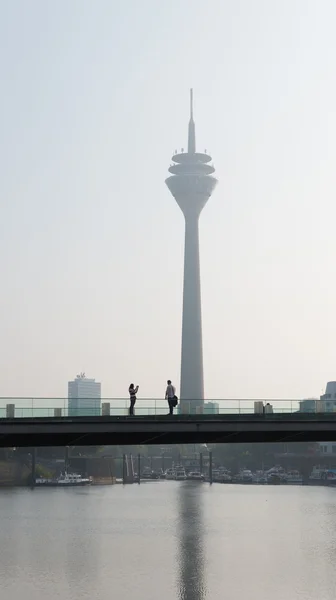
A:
(180, 474)
(64, 480)
(170, 474)
(195, 476)
(149, 474)
(245, 476)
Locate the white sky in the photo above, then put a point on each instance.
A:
(94, 102)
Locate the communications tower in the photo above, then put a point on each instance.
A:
(191, 183)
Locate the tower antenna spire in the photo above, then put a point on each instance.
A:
(191, 104)
(191, 128)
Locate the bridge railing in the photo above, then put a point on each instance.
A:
(60, 407)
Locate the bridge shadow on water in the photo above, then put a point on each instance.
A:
(192, 583)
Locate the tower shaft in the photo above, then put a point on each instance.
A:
(192, 385)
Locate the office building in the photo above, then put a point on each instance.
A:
(191, 183)
(84, 396)
(328, 399)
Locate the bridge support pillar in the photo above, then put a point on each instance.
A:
(124, 469)
(201, 462)
(139, 468)
(210, 467)
(66, 458)
(33, 468)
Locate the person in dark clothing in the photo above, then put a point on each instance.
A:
(132, 390)
(171, 396)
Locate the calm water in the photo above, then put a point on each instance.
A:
(168, 541)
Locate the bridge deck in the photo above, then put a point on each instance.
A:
(177, 429)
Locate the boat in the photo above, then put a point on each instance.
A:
(293, 478)
(222, 475)
(180, 474)
(245, 476)
(318, 475)
(225, 478)
(149, 474)
(259, 478)
(64, 480)
(274, 479)
(322, 476)
(330, 477)
(195, 476)
(170, 474)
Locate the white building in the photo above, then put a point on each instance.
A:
(329, 397)
(84, 397)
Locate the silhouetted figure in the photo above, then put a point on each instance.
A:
(171, 396)
(132, 392)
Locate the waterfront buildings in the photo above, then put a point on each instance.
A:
(328, 399)
(84, 396)
(191, 183)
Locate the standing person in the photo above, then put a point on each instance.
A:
(132, 392)
(171, 397)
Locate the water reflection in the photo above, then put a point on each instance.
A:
(82, 559)
(192, 584)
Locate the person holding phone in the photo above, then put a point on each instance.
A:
(132, 390)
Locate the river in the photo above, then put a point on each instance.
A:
(168, 541)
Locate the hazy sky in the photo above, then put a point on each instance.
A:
(94, 101)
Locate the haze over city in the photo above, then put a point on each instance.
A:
(95, 101)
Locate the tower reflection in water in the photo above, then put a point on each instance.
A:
(192, 585)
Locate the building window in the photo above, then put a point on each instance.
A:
(334, 449)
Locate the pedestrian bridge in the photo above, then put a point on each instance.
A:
(231, 423)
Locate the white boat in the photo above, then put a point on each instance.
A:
(293, 478)
(195, 476)
(318, 474)
(259, 478)
(170, 474)
(245, 476)
(64, 480)
(180, 474)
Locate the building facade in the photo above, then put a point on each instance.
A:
(328, 399)
(84, 397)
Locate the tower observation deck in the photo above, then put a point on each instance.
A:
(191, 183)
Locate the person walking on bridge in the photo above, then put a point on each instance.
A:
(171, 396)
(132, 390)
